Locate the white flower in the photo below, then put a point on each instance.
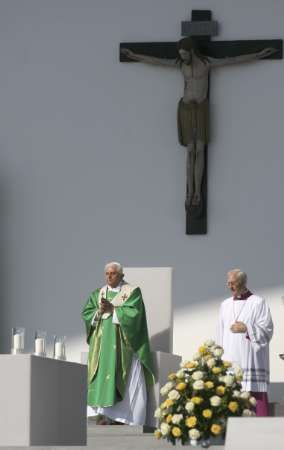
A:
(180, 373)
(177, 418)
(245, 395)
(247, 413)
(215, 400)
(236, 393)
(237, 368)
(194, 433)
(228, 380)
(189, 406)
(209, 343)
(218, 352)
(196, 357)
(252, 401)
(198, 375)
(238, 372)
(166, 388)
(190, 369)
(158, 413)
(198, 385)
(211, 363)
(174, 395)
(165, 428)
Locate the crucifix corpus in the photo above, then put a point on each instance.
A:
(195, 56)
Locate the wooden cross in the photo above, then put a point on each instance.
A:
(201, 28)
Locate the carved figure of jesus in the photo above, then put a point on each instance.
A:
(193, 110)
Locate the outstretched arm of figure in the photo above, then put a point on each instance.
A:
(215, 62)
(148, 59)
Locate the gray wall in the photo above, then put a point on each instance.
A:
(90, 166)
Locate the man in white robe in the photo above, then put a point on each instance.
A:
(244, 331)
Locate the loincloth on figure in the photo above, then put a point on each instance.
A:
(193, 122)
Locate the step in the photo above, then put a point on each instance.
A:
(124, 437)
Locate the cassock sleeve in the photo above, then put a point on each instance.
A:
(260, 328)
(90, 313)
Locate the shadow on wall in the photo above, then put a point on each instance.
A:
(4, 269)
(162, 341)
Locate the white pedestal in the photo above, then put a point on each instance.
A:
(43, 401)
(255, 433)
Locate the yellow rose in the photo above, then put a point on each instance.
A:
(216, 429)
(169, 418)
(167, 403)
(181, 386)
(191, 421)
(157, 434)
(202, 350)
(197, 400)
(207, 413)
(209, 384)
(190, 365)
(216, 370)
(233, 406)
(227, 364)
(172, 376)
(176, 432)
(220, 390)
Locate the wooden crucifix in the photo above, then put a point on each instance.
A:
(196, 55)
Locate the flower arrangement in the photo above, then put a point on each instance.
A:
(200, 397)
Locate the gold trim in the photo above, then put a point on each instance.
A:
(121, 297)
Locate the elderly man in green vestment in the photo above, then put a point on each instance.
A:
(119, 362)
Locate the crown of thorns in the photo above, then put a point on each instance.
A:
(187, 44)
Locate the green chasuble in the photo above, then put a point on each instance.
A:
(111, 346)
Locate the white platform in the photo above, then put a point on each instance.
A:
(43, 401)
(116, 437)
(255, 433)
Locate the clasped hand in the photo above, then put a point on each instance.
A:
(106, 306)
(238, 327)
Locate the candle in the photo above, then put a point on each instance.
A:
(39, 346)
(18, 341)
(59, 353)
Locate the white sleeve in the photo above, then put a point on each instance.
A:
(95, 318)
(260, 328)
(114, 317)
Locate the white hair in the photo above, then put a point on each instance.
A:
(115, 264)
(241, 276)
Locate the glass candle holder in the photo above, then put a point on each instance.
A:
(59, 348)
(40, 343)
(18, 340)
